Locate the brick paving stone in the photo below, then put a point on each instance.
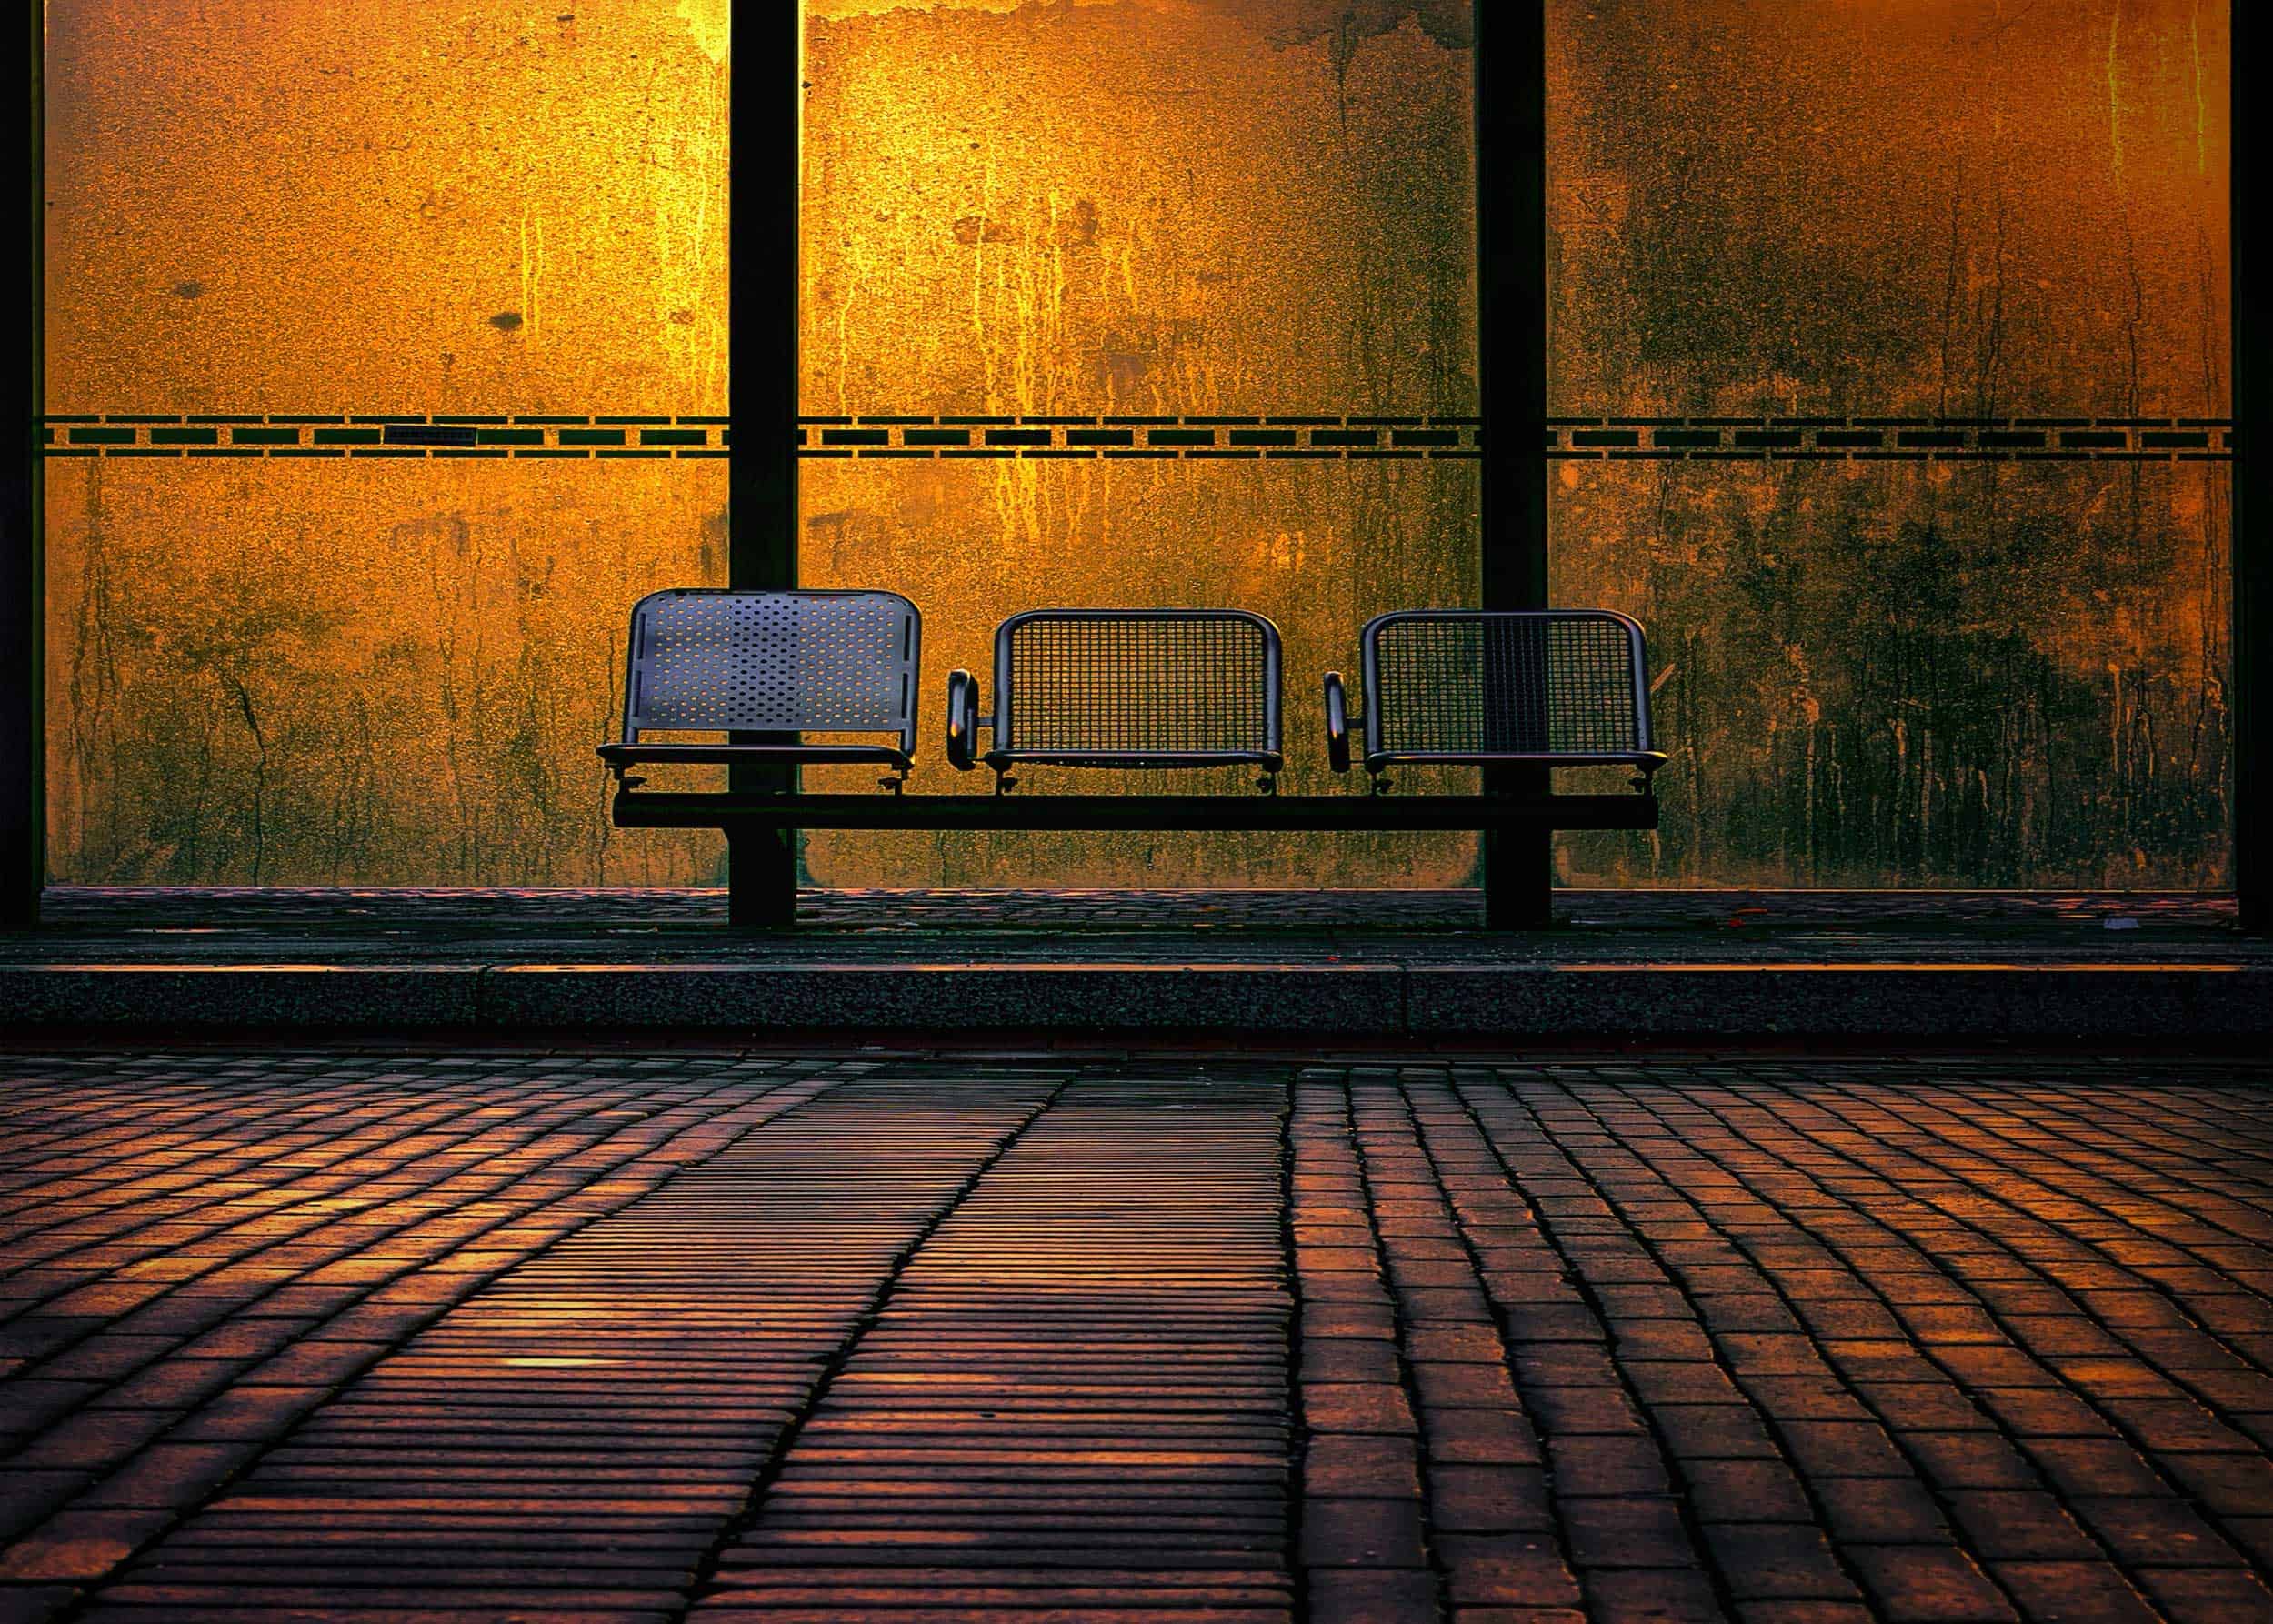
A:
(644, 1367)
(503, 1153)
(1097, 1336)
(602, 1337)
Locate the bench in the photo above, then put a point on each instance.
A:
(1118, 688)
(1125, 688)
(1549, 687)
(772, 665)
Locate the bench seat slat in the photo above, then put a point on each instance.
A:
(772, 754)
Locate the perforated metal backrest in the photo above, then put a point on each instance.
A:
(703, 659)
(1137, 682)
(1539, 683)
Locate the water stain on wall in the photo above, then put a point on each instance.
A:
(1989, 674)
(1141, 209)
(357, 671)
(1904, 673)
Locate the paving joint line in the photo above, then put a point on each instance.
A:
(415, 1130)
(130, 1174)
(2149, 1454)
(85, 1594)
(2146, 1281)
(1297, 1429)
(1407, 1383)
(1769, 1422)
(1684, 1497)
(701, 1586)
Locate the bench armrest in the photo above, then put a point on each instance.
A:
(963, 721)
(1337, 721)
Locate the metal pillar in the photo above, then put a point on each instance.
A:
(1511, 372)
(23, 735)
(769, 100)
(2252, 497)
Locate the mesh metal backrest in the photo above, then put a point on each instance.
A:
(1478, 684)
(1120, 683)
(772, 661)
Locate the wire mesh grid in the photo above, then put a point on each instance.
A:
(784, 660)
(1129, 685)
(1507, 683)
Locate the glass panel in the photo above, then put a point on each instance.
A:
(1051, 216)
(456, 209)
(1890, 345)
(1318, 547)
(389, 673)
(282, 649)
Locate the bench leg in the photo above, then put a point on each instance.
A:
(761, 878)
(1518, 862)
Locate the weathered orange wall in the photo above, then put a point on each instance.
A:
(1886, 674)
(348, 671)
(1149, 208)
(1904, 673)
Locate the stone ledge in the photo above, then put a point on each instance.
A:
(1377, 997)
(1110, 997)
(209, 996)
(1839, 1001)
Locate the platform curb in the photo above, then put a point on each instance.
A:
(1379, 998)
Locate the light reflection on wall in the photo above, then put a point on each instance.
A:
(364, 672)
(1145, 207)
(1888, 673)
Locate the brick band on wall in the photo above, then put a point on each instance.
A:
(2076, 438)
(1187, 439)
(384, 435)
(1285, 437)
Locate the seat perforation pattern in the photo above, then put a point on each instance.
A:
(1136, 686)
(771, 661)
(1518, 685)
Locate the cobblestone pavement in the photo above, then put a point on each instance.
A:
(592, 1338)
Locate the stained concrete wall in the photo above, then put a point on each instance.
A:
(1954, 671)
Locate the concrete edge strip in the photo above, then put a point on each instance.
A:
(2206, 999)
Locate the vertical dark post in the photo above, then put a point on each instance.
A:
(769, 100)
(2252, 497)
(1511, 372)
(23, 739)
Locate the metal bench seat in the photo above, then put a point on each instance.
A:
(775, 665)
(1111, 689)
(1125, 688)
(1560, 687)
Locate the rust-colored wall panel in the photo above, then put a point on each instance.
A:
(1318, 547)
(379, 673)
(1143, 207)
(1147, 207)
(1952, 207)
(1876, 675)
(334, 668)
(1991, 648)
(298, 205)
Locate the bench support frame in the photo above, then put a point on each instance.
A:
(762, 522)
(750, 815)
(1511, 256)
